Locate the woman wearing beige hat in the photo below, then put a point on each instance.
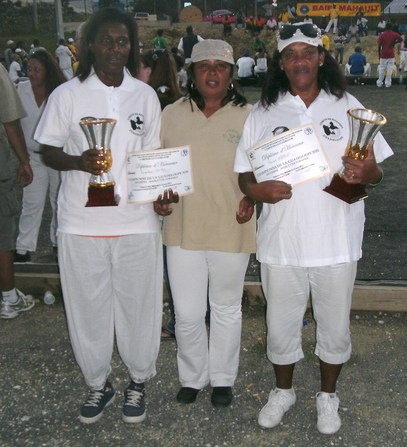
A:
(208, 234)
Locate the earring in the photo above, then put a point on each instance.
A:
(193, 86)
(231, 86)
(321, 64)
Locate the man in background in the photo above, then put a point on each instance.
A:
(15, 173)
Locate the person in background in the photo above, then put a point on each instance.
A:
(308, 19)
(110, 257)
(181, 71)
(227, 25)
(158, 69)
(208, 234)
(326, 43)
(44, 77)
(308, 241)
(159, 42)
(333, 19)
(64, 57)
(15, 71)
(381, 26)
(188, 42)
(260, 69)
(357, 64)
(353, 33)
(258, 44)
(339, 41)
(245, 65)
(386, 42)
(15, 172)
(35, 47)
(8, 53)
(72, 48)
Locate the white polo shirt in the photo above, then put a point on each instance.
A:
(137, 110)
(313, 228)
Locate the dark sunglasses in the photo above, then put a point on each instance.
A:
(308, 29)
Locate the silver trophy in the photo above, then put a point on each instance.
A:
(98, 132)
(364, 125)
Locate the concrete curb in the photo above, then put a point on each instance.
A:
(373, 297)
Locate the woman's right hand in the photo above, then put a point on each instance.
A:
(163, 202)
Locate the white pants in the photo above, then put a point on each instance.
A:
(386, 66)
(366, 70)
(331, 22)
(113, 287)
(287, 290)
(34, 195)
(192, 273)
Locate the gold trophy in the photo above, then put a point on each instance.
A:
(98, 132)
(364, 125)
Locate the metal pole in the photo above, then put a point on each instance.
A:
(59, 20)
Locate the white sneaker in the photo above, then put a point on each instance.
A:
(329, 421)
(24, 303)
(280, 401)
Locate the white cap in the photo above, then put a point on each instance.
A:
(299, 34)
(70, 40)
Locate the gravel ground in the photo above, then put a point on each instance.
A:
(42, 390)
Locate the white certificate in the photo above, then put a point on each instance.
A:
(293, 157)
(149, 173)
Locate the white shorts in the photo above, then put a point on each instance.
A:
(287, 290)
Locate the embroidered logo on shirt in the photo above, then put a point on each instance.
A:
(136, 121)
(332, 129)
(232, 136)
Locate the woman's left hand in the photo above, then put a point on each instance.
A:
(163, 202)
(246, 210)
(361, 171)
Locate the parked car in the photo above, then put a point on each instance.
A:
(218, 15)
(141, 15)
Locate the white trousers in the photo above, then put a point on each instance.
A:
(386, 66)
(287, 290)
(34, 195)
(367, 70)
(113, 287)
(331, 22)
(195, 275)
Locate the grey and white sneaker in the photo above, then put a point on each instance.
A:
(134, 408)
(329, 421)
(279, 402)
(24, 303)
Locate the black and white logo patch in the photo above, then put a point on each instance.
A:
(136, 121)
(332, 129)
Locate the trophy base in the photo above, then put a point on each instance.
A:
(101, 196)
(345, 191)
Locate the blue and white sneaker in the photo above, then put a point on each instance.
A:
(134, 408)
(92, 410)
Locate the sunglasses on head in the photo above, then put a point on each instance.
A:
(308, 29)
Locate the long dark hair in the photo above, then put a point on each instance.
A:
(330, 78)
(233, 94)
(53, 74)
(163, 73)
(107, 15)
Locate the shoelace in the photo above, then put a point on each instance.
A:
(329, 407)
(94, 398)
(133, 397)
(279, 399)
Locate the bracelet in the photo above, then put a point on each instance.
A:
(373, 185)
